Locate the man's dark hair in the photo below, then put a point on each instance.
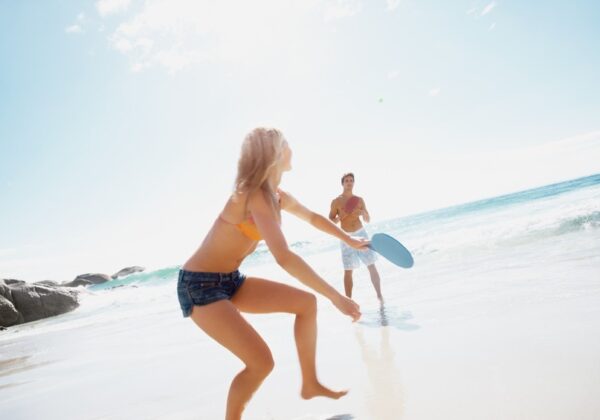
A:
(347, 175)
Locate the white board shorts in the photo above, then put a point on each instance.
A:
(351, 257)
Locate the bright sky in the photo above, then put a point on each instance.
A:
(121, 120)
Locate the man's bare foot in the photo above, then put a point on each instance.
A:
(318, 390)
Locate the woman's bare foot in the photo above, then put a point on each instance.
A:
(317, 390)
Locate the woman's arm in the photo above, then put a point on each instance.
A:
(265, 218)
(293, 206)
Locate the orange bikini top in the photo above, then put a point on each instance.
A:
(247, 227)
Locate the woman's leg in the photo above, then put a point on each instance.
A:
(223, 322)
(263, 296)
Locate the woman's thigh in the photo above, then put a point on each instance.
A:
(258, 296)
(223, 322)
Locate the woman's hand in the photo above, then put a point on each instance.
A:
(358, 243)
(347, 306)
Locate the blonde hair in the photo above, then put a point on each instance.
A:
(262, 150)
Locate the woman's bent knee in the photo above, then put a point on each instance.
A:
(309, 303)
(262, 366)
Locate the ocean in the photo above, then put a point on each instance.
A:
(498, 318)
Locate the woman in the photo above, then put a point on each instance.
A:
(213, 292)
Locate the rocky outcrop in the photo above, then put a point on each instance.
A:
(87, 280)
(25, 302)
(77, 282)
(128, 270)
(47, 283)
(8, 313)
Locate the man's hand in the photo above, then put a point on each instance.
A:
(357, 212)
(365, 215)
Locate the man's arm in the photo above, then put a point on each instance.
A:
(365, 214)
(333, 212)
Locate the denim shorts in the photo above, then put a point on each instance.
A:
(197, 288)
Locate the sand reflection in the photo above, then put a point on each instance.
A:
(384, 394)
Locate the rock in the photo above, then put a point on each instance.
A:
(37, 302)
(24, 302)
(93, 278)
(77, 282)
(128, 270)
(47, 283)
(8, 313)
(13, 281)
(4, 289)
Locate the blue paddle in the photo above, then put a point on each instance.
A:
(391, 249)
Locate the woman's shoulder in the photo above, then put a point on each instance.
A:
(259, 197)
(285, 199)
(246, 197)
(281, 194)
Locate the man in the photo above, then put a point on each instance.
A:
(347, 209)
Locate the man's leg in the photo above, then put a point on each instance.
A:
(375, 280)
(350, 261)
(348, 282)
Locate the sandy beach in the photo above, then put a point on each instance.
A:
(512, 333)
(137, 137)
